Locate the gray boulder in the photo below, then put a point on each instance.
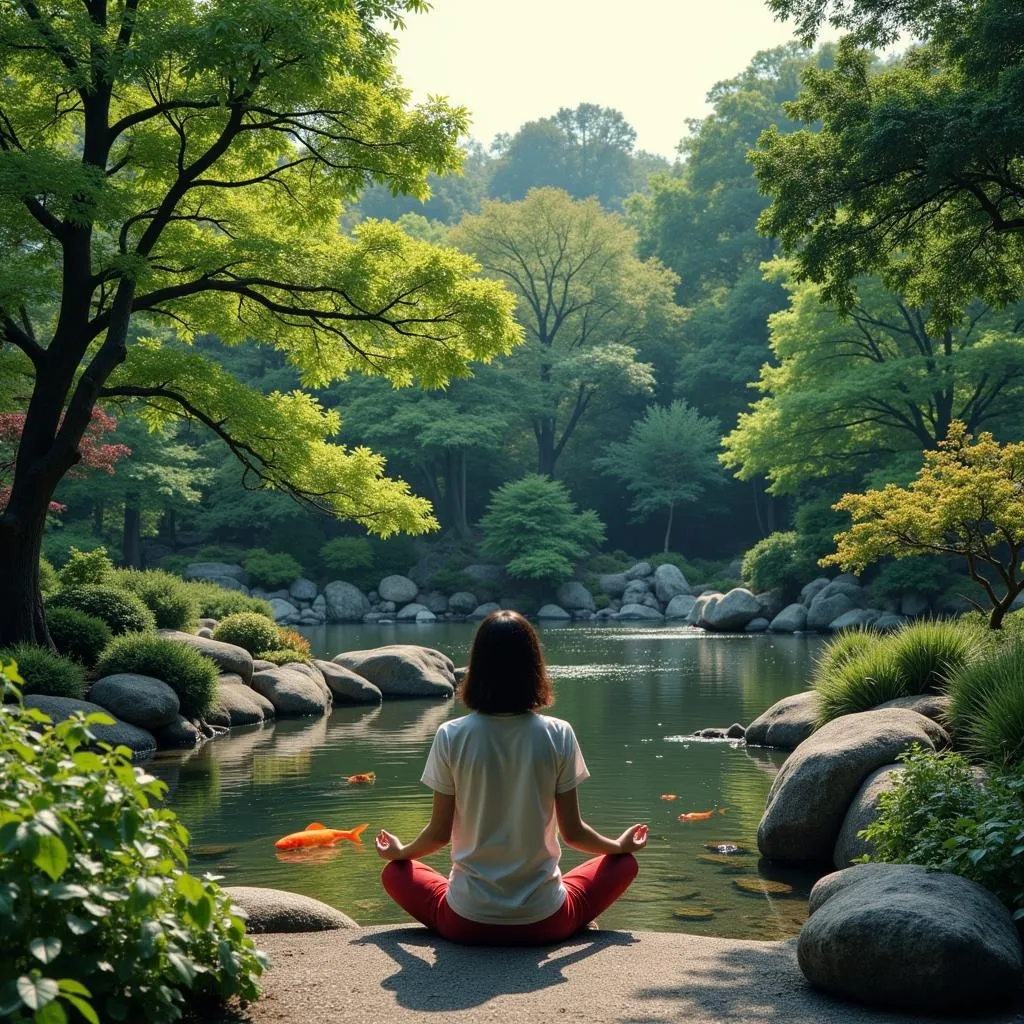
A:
(425, 617)
(410, 611)
(732, 611)
(293, 693)
(139, 700)
(856, 618)
(492, 577)
(792, 619)
(303, 590)
(888, 622)
(786, 724)
(932, 705)
(205, 631)
(345, 603)
(770, 602)
(462, 602)
(908, 939)
(757, 626)
(552, 613)
(237, 704)
(403, 670)
(651, 601)
(574, 596)
(399, 589)
(284, 612)
(863, 811)
(810, 795)
(436, 602)
(844, 584)
(140, 741)
(274, 910)
(914, 605)
(320, 605)
(669, 582)
(824, 611)
(348, 687)
(812, 589)
(177, 735)
(635, 592)
(228, 657)
(639, 571)
(700, 609)
(680, 606)
(312, 673)
(215, 571)
(481, 611)
(613, 584)
(640, 612)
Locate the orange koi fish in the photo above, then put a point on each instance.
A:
(315, 834)
(362, 777)
(701, 815)
(669, 796)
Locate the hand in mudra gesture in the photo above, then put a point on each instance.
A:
(633, 839)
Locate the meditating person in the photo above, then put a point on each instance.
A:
(502, 776)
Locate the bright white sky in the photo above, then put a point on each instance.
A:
(511, 61)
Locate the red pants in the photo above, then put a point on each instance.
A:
(590, 890)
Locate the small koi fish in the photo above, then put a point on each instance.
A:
(701, 815)
(362, 777)
(669, 796)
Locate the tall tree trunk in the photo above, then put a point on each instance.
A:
(464, 520)
(131, 543)
(169, 526)
(546, 447)
(21, 605)
(98, 508)
(668, 528)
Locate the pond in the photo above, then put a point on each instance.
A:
(634, 697)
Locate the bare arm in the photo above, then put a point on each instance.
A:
(434, 837)
(579, 835)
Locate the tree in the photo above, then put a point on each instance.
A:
(534, 528)
(192, 174)
(668, 459)
(917, 172)
(584, 299)
(965, 500)
(869, 391)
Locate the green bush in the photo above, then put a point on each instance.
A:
(986, 711)
(58, 542)
(230, 553)
(669, 558)
(923, 574)
(49, 583)
(271, 570)
(45, 672)
(192, 676)
(603, 564)
(101, 920)
(87, 569)
(1011, 632)
(284, 656)
(77, 634)
(121, 611)
(451, 581)
(172, 602)
(347, 558)
(216, 602)
(938, 815)
(247, 629)
(781, 561)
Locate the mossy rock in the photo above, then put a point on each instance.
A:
(762, 887)
(722, 860)
(693, 913)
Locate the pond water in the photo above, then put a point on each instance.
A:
(633, 695)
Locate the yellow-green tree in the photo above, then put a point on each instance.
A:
(967, 500)
(185, 163)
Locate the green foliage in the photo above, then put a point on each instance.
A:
(346, 558)
(533, 526)
(601, 563)
(77, 634)
(284, 656)
(121, 611)
(987, 705)
(292, 640)
(192, 676)
(780, 561)
(101, 919)
(250, 630)
(860, 684)
(49, 582)
(941, 816)
(216, 602)
(58, 542)
(450, 581)
(87, 569)
(925, 575)
(173, 604)
(271, 570)
(45, 672)
(846, 646)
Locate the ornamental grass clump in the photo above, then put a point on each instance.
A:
(78, 635)
(191, 675)
(101, 920)
(860, 684)
(173, 604)
(45, 673)
(930, 652)
(121, 611)
(249, 630)
(843, 648)
(986, 713)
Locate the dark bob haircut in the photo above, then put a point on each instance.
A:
(506, 674)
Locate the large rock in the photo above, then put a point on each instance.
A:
(293, 693)
(757, 626)
(399, 589)
(237, 704)
(863, 811)
(140, 741)
(636, 591)
(613, 584)
(215, 571)
(639, 571)
(705, 603)
(792, 619)
(680, 606)
(786, 724)
(824, 611)
(403, 670)
(425, 617)
(462, 602)
(669, 582)
(908, 939)
(845, 584)
(345, 603)
(732, 611)
(436, 602)
(481, 611)
(140, 700)
(410, 612)
(932, 705)
(274, 910)
(811, 590)
(179, 734)
(855, 618)
(553, 613)
(303, 590)
(313, 673)
(810, 795)
(574, 596)
(490, 577)
(284, 612)
(228, 657)
(640, 612)
(770, 603)
(889, 622)
(348, 687)
(914, 605)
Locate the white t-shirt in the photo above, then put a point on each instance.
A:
(504, 772)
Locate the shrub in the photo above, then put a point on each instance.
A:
(59, 542)
(230, 553)
(121, 611)
(292, 640)
(781, 561)
(1011, 631)
(192, 676)
(271, 570)
(46, 673)
(860, 684)
(173, 604)
(283, 657)
(101, 921)
(938, 815)
(77, 634)
(345, 557)
(247, 629)
(667, 558)
(216, 602)
(930, 652)
(843, 648)
(451, 581)
(986, 711)
(49, 583)
(87, 569)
